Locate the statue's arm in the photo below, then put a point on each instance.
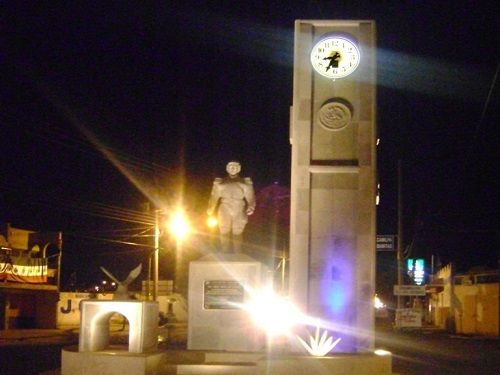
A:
(249, 195)
(214, 197)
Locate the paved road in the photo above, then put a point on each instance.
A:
(431, 352)
(30, 352)
(427, 352)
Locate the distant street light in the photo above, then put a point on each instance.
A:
(179, 226)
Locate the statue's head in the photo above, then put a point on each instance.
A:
(233, 168)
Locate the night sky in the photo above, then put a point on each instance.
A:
(108, 105)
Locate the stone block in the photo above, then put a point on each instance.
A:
(94, 324)
(218, 285)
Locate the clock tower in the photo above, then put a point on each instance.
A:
(333, 137)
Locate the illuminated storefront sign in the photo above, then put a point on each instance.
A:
(416, 270)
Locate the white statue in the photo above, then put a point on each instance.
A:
(122, 286)
(234, 199)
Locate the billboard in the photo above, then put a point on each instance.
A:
(386, 242)
(409, 290)
(23, 269)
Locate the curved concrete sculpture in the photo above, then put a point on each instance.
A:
(142, 318)
(94, 324)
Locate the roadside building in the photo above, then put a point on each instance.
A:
(30, 265)
(466, 303)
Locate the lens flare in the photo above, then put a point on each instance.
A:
(179, 225)
(275, 314)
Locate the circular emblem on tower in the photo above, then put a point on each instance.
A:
(334, 116)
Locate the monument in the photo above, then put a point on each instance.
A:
(333, 187)
(233, 199)
(94, 355)
(220, 283)
(332, 233)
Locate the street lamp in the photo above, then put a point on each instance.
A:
(179, 225)
(156, 256)
(179, 228)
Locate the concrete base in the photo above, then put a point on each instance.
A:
(217, 284)
(190, 362)
(110, 362)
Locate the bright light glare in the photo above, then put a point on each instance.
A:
(212, 222)
(378, 303)
(273, 313)
(382, 352)
(179, 225)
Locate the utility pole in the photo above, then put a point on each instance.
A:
(157, 251)
(400, 231)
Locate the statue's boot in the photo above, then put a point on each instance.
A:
(237, 243)
(225, 243)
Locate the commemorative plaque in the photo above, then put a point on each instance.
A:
(222, 295)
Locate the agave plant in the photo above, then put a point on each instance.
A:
(319, 346)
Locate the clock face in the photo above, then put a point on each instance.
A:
(335, 57)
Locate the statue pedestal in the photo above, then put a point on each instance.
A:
(218, 283)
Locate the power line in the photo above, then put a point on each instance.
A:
(84, 207)
(477, 128)
(59, 135)
(77, 235)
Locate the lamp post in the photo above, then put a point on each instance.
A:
(400, 237)
(156, 255)
(179, 228)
